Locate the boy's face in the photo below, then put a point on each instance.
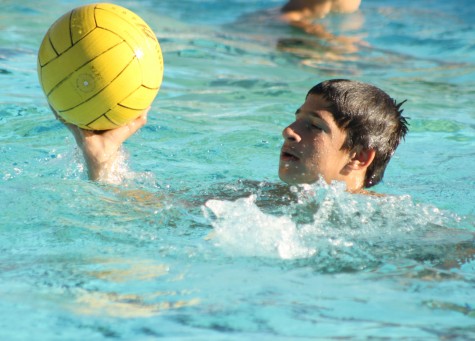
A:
(312, 145)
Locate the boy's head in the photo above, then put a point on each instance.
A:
(346, 131)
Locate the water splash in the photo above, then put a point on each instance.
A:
(334, 230)
(242, 228)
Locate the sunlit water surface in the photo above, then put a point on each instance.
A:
(198, 239)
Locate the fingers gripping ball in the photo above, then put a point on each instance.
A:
(100, 66)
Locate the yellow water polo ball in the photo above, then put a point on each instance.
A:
(100, 66)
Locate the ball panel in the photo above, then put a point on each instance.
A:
(113, 16)
(120, 25)
(140, 99)
(82, 22)
(121, 115)
(101, 102)
(138, 35)
(85, 51)
(60, 34)
(46, 52)
(152, 69)
(95, 76)
(102, 123)
(116, 117)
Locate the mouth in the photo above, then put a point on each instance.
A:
(288, 155)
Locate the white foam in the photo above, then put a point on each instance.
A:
(330, 226)
(242, 228)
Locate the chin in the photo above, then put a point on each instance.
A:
(289, 179)
(286, 177)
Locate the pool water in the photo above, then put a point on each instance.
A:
(197, 238)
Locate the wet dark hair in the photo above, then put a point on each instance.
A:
(371, 118)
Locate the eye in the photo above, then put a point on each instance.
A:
(317, 127)
(314, 126)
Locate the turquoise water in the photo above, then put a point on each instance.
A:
(198, 239)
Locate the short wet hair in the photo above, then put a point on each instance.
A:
(371, 118)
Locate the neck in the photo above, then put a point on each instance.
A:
(355, 182)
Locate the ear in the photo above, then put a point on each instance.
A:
(361, 159)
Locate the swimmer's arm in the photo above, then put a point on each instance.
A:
(100, 149)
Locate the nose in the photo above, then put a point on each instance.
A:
(289, 134)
